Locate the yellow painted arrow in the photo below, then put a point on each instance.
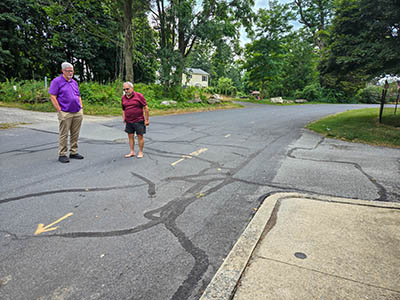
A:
(41, 228)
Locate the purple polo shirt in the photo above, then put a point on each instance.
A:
(133, 107)
(67, 93)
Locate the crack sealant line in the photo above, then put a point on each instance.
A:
(381, 190)
(173, 207)
(78, 190)
(152, 187)
(322, 139)
(28, 149)
(227, 180)
(199, 268)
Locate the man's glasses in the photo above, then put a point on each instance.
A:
(126, 89)
(69, 71)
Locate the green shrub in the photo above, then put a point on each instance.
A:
(96, 93)
(158, 91)
(370, 94)
(189, 92)
(7, 91)
(211, 90)
(312, 92)
(146, 90)
(298, 94)
(202, 96)
(333, 96)
(315, 92)
(27, 91)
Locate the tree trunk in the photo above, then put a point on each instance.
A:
(129, 76)
(262, 91)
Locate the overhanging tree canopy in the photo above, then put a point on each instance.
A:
(364, 43)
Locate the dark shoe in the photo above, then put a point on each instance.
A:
(76, 156)
(63, 159)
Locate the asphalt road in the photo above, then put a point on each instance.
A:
(159, 227)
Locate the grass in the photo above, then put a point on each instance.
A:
(10, 125)
(44, 107)
(362, 126)
(7, 125)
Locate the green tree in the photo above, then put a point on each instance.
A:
(221, 60)
(300, 64)
(145, 63)
(218, 60)
(81, 32)
(200, 57)
(184, 23)
(225, 86)
(138, 61)
(264, 57)
(316, 16)
(23, 42)
(36, 36)
(363, 44)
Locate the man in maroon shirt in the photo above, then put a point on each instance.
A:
(135, 114)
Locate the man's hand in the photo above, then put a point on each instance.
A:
(55, 103)
(146, 122)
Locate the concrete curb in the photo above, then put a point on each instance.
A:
(225, 281)
(223, 284)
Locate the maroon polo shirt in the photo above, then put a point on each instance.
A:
(133, 107)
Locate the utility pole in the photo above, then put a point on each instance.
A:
(384, 91)
(398, 95)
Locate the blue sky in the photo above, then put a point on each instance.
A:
(264, 3)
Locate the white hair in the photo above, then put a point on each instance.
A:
(65, 65)
(129, 83)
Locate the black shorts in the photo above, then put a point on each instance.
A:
(137, 127)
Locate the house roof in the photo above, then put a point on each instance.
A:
(196, 71)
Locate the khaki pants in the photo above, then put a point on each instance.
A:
(69, 123)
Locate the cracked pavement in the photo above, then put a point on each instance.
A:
(160, 227)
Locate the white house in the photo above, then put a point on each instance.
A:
(196, 77)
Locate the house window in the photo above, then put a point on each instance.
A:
(204, 78)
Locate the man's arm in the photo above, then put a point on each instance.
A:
(80, 100)
(146, 115)
(54, 100)
(123, 116)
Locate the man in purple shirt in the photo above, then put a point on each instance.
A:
(135, 115)
(65, 96)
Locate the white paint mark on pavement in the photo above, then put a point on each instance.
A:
(195, 153)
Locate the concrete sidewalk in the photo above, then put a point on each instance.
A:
(312, 247)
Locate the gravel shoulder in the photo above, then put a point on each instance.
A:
(18, 116)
